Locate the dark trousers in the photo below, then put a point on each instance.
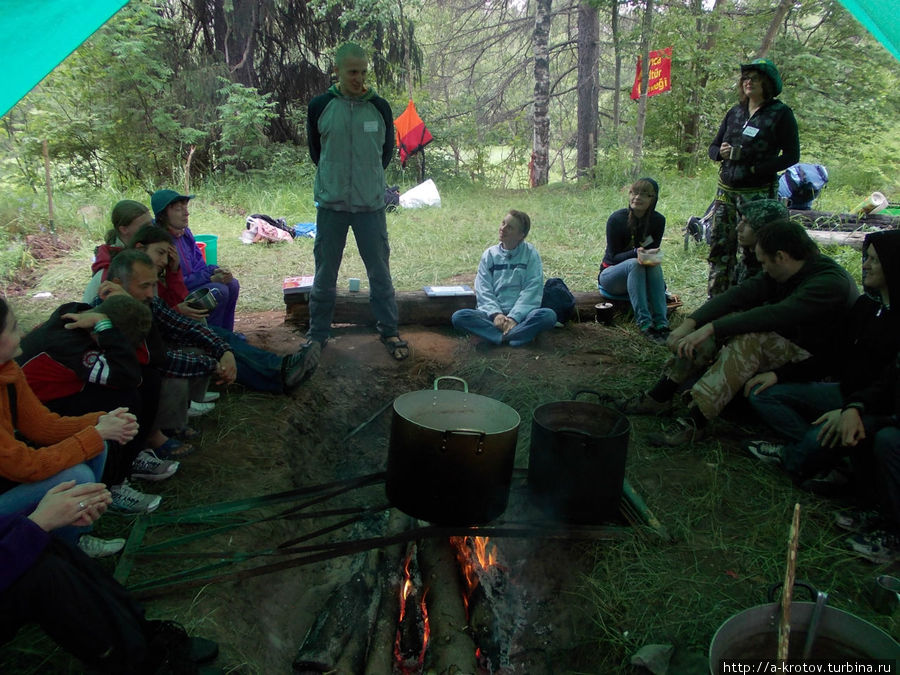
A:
(78, 604)
(142, 402)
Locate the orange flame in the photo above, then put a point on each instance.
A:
(474, 558)
(407, 588)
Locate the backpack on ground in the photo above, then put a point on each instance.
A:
(559, 298)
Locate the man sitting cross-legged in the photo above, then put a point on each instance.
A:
(508, 288)
(783, 315)
(793, 397)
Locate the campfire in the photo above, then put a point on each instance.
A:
(412, 628)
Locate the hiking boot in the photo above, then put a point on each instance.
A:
(654, 336)
(643, 404)
(128, 500)
(147, 466)
(770, 453)
(827, 484)
(197, 408)
(94, 547)
(878, 546)
(684, 431)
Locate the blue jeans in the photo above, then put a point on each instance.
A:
(370, 230)
(789, 408)
(645, 287)
(478, 323)
(256, 368)
(886, 449)
(25, 496)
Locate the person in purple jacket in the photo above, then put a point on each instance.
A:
(46, 581)
(171, 212)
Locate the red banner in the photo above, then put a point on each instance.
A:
(660, 79)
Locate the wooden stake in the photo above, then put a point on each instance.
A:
(787, 591)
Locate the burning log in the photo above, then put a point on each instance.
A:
(490, 616)
(412, 630)
(451, 649)
(380, 659)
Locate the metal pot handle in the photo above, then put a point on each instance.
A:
(773, 589)
(452, 377)
(589, 391)
(479, 448)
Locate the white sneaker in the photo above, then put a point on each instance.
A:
(196, 408)
(147, 466)
(94, 547)
(128, 500)
(210, 397)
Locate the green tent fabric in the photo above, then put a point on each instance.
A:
(41, 33)
(880, 19)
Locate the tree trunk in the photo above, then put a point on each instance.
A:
(646, 26)
(240, 41)
(700, 77)
(588, 88)
(540, 155)
(780, 12)
(617, 82)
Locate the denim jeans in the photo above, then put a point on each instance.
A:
(478, 323)
(645, 287)
(25, 496)
(370, 230)
(256, 368)
(789, 408)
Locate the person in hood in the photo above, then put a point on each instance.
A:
(509, 286)
(630, 265)
(757, 139)
(351, 141)
(751, 217)
(803, 408)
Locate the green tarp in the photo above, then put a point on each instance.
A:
(38, 34)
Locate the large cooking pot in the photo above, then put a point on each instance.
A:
(451, 455)
(576, 464)
(752, 635)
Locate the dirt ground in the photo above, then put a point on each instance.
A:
(256, 444)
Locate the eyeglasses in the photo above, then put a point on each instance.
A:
(752, 77)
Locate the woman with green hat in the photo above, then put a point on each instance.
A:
(757, 139)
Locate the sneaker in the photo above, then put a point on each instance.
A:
(827, 484)
(147, 466)
(770, 453)
(128, 500)
(312, 353)
(297, 368)
(878, 546)
(210, 397)
(197, 408)
(857, 521)
(94, 547)
(643, 404)
(684, 431)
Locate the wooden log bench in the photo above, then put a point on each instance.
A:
(414, 307)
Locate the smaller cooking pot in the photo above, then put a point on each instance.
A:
(752, 635)
(451, 455)
(576, 465)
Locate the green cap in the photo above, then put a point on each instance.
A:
(762, 211)
(767, 68)
(162, 198)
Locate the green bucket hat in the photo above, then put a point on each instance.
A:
(162, 198)
(767, 68)
(763, 211)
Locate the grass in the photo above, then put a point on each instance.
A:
(729, 516)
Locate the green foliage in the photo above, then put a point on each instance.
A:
(242, 118)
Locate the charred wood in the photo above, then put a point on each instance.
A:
(412, 636)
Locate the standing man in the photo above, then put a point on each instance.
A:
(351, 140)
